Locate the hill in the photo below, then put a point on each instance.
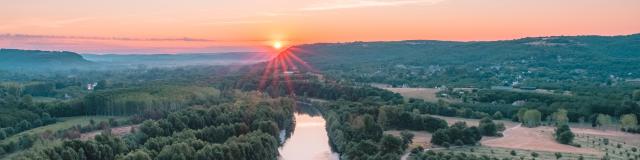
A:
(14, 59)
(543, 62)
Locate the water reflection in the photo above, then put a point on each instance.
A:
(308, 140)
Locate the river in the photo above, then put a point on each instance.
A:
(308, 139)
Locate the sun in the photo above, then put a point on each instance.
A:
(277, 44)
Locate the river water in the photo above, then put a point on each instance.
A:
(308, 140)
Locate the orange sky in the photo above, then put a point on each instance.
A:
(169, 26)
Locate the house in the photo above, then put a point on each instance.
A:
(92, 86)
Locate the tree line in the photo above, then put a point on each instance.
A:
(244, 129)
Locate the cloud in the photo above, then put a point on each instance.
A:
(31, 36)
(87, 44)
(346, 4)
(124, 45)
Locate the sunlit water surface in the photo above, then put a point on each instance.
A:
(309, 140)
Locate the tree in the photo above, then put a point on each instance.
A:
(269, 127)
(603, 120)
(458, 134)
(513, 153)
(532, 118)
(440, 137)
(3, 134)
(151, 128)
(390, 144)
(628, 121)
(520, 114)
(137, 155)
(388, 115)
(69, 153)
(498, 115)
(27, 100)
(407, 137)
(487, 127)
(560, 117)
(564, 135)
(176, 151)
(360, 149)
(370, 129)
(23, 125)
(102, 84)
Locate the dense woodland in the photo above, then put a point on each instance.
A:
(244, 129)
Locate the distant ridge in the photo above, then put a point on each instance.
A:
(37, 59)
(568, 58)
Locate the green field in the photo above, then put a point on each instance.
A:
(616, 148)
(64, 123)
(506, 153)
(44, 99)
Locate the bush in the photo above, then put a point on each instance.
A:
(417, 150)
(446, 145)
(487, 127)
(564, 135)
(558, 155)
(534, 154)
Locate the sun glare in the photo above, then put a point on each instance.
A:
(277, 44)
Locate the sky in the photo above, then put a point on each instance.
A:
(202, 26)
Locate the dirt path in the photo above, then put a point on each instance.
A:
(539, 139)
(118, 131)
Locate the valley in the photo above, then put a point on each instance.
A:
(478, 102)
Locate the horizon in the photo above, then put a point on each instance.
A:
(167, 27)
(268, 50)
(320, 79)
(315, 43)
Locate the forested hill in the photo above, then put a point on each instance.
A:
(528, 60)
(14, 59)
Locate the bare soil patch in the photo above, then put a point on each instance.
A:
(118, 131)
(473, 122)
(427, 94)
(540, 139)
